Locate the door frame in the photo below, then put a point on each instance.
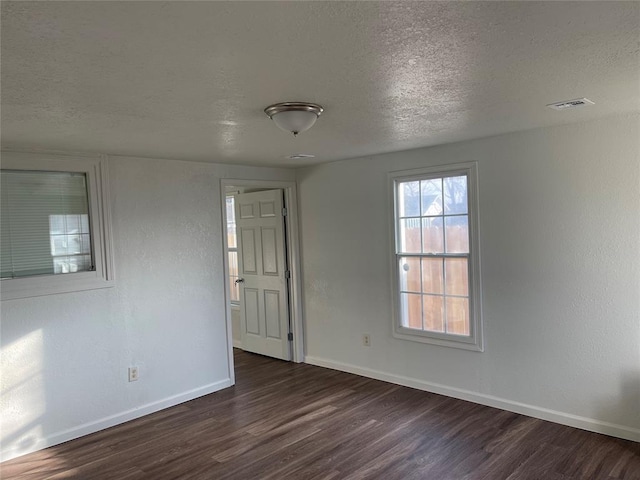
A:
(293, 259)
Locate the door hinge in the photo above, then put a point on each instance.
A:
(290, 336)
(284, 211)
(287, 274)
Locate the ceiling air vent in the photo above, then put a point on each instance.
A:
(578, 102)
(299, 156)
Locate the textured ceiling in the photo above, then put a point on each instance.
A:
(189, 80)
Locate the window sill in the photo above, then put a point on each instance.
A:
(443, 340)
(14, 288)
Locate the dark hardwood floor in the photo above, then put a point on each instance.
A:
(295, 421)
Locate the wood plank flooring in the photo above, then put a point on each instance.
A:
(296, 421)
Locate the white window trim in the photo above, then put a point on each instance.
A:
(475, 341)
(95, 169)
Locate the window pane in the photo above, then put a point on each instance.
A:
(431, 194)
(234, 290)
(410, 235)
(411, 310)
(231, 223)
(56, 225)
(233, 275)
(410, 274)
(457, 231)
(58, 245)
(72, 223)
(44, 215)
(86, 243)
(432, 235)
(231, 236)
(455, 195)
(433, 313)
(84, 224)
(457, 315)
(409, 199)
(457, 274)
(432, 275)
(231, 213)
(233, 263)
(74, 244)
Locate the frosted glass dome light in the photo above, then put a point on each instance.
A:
(294, 117)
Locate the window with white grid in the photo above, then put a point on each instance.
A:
(436, 287)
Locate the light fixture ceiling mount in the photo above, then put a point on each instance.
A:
(294, 117)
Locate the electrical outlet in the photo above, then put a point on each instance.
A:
(366, 340)
(133, 374)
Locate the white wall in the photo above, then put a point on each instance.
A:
(560, 243)
(65, 357)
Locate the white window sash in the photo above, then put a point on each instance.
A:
(475, 340)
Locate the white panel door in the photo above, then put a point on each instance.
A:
(264, 306)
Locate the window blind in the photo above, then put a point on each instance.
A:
(44, 226)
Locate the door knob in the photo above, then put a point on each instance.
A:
(240, 280)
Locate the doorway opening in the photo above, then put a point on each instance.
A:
(262, 268)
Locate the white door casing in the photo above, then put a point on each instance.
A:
(264, 302)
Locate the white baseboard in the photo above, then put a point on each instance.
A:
(237, 343)
(112, 420)
(590, 424)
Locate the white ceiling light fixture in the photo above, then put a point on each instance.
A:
(294, 117)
